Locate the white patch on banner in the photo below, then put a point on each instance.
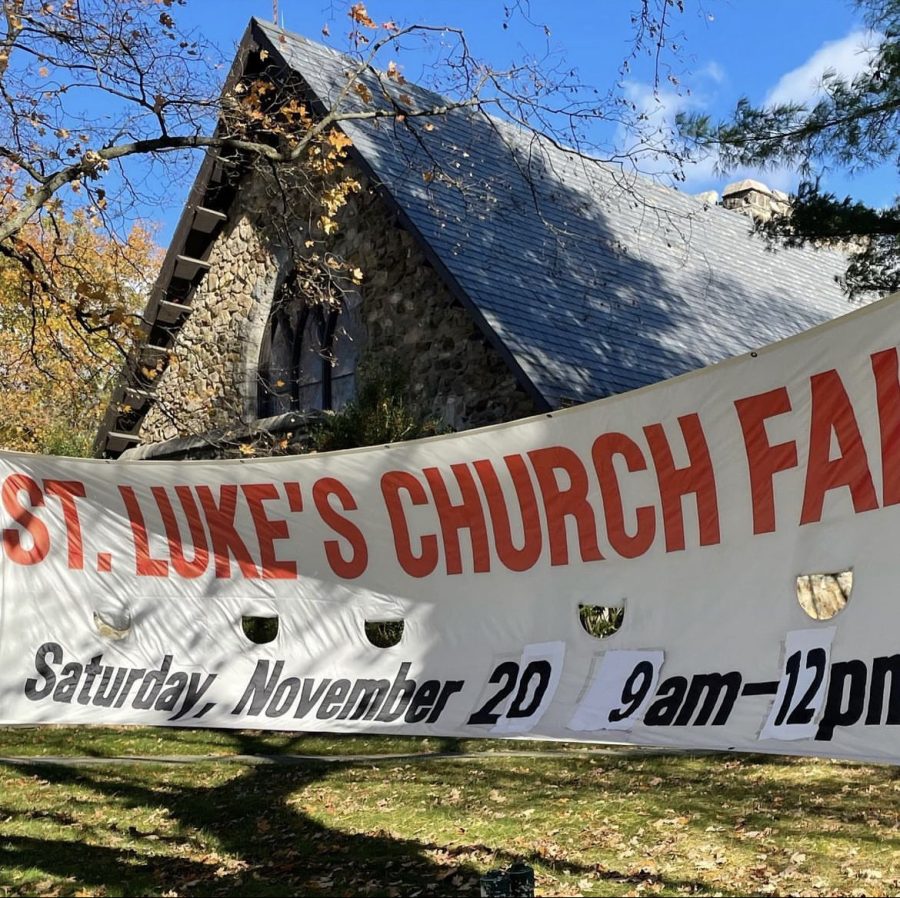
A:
(802, 687)
(620, 693)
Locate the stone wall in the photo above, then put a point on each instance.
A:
(410, 319)
(205, 385)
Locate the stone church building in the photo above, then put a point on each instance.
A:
(504, 275)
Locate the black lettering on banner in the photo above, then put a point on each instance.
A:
(55, 653)
(703, 700)
(508, 670)
(541, 670)
(816, 661)
(537, 673)
(668, 700)
(802, 685)
(846, 698)
(882, 668)
(632, 694)
(712, 688)
(345, 699)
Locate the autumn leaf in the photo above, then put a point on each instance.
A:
(338, 139)
(394, 72)
(363, 92)
(360, 15)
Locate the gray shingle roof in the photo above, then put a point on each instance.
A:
(596, 281)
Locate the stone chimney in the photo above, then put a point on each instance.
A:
(755, 199)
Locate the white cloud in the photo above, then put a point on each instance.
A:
(847, 57)
(647, 139)
(646, 144)
(713, 71)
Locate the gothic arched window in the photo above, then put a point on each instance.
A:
(309, 355)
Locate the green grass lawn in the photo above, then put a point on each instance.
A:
(610, 824)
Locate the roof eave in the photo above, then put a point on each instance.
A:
(161, 286)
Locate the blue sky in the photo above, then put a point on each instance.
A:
(728, 48)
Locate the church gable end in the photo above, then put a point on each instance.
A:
(255, 347)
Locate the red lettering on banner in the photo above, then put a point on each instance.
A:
(200, 561)
(675, 483)
(764, 460)
(37, 531)
(605, 448)
(560, 503)
(67, 491)
(352, 567)
(145, 564)
(294, 496)
(467, 515)
(392, 483)
(268, 530)
(226, 541)
(887, 387)
(833, 413)
(513, 558)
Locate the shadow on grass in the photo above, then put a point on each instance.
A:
(249, 835)
(279, 849)
(323, 828)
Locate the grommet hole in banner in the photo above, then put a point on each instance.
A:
(259, 629)
(384, 634)
(600, 621)
(822, 596)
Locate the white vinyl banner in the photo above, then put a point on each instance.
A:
(694, 505)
